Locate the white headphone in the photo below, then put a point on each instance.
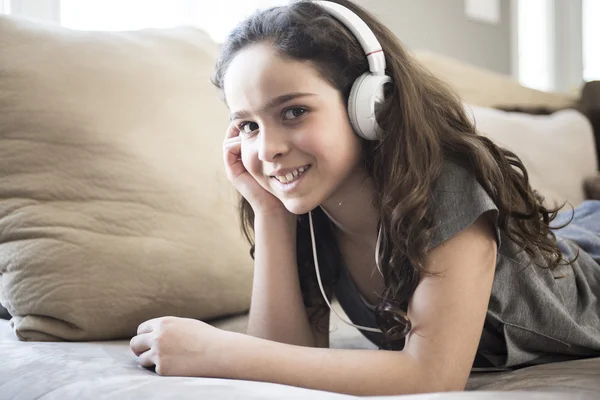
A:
(367, 91)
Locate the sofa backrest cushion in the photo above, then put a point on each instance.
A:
(114, 205)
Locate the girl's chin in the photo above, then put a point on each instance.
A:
(298, 207)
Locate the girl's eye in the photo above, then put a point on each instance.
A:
(292, 113)
(248, 127)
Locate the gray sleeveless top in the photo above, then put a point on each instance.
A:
(534, 315)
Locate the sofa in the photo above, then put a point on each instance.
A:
(114, 209)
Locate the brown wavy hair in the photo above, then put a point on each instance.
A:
(423, 123)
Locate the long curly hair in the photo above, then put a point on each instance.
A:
(423, 123)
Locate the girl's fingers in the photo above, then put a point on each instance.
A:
(232, 150)
(234, 141)
(147, 359)
(147, 326)
(232, 131)
(232, 147)
(232, 156)
(140, 343)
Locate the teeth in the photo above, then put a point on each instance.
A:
(290, 176)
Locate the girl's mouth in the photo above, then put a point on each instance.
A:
(291, 177)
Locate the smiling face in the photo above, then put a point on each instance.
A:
(297, 141)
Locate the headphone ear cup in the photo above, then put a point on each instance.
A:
(353, 104)
(366, 93)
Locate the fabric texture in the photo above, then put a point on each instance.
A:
(108, 370)
(114, 204)
(535, 315)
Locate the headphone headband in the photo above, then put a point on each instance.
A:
(367, 92)
(361, 31)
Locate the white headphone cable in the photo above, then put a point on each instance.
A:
(314, 250)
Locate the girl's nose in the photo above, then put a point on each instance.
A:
(272, 144)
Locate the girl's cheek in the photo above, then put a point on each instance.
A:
(311, 136)
(249, 158)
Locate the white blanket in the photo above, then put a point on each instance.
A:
(109, 370)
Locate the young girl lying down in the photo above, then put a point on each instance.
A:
(362, 177)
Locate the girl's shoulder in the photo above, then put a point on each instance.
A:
(457, 201)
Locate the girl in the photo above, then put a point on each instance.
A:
(428, 234)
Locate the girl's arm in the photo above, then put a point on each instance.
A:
(447, 313)
(277, 310)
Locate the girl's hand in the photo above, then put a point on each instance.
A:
(260, 199)
(182, 347)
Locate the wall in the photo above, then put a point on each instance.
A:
(442, 26)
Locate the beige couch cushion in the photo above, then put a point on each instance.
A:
(114, 206)
(557, 150)
(487, 88)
